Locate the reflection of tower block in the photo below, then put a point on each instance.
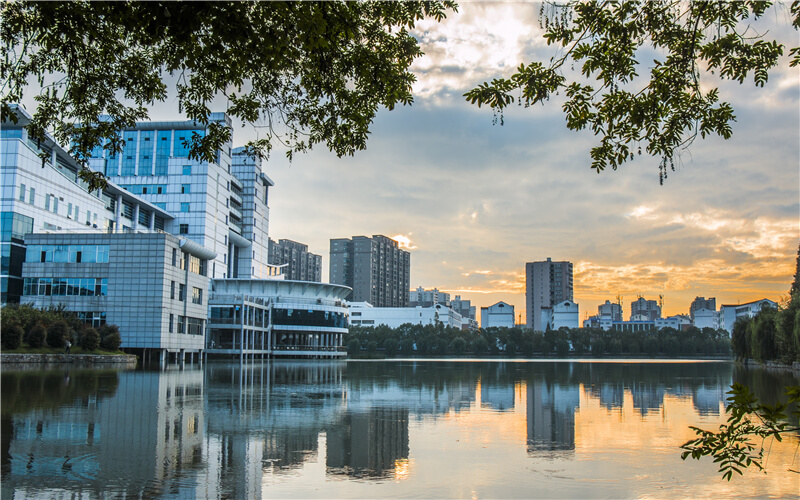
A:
(180, 422)
(551, 417)
(289, 449)
(368, 444)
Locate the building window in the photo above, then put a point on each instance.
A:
(22, 192)
(32, 196)
(186, 188)
(47, 202)
(187, 170)
(197, 295)
(172, 293)
(184, 207)
(174, 256)
(183, 229)
(171, 319)
(181, 292)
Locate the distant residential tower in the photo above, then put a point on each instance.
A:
(376, 268)
(547, 283)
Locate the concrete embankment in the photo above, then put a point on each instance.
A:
(74, 359)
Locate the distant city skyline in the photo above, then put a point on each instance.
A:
(474, 202)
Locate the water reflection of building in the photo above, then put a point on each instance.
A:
(138, 441)
(368, 444)
(268, 418)
(610, 394)
(647, 397)
(551, 416)
(497, 397)
(707, 399)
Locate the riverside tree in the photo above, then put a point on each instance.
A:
(304, 72)
(612, 44)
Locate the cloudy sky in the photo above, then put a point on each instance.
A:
(474, 201)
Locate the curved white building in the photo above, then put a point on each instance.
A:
(277, 318)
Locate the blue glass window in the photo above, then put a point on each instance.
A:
(129, 154)
(146, 152)
(162, 152)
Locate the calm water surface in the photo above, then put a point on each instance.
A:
(406, 428)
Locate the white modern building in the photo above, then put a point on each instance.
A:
(705, 318)
(729, 313)
(153, 286)
(221, 205)
(363, 314)
(678, 322)
(562, 314)
(500, 314)
(277, 318)
(47, 195)
(143, 252)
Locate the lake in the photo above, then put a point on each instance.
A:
(378, 429)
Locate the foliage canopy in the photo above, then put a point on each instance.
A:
(662, 112)
(305, 72)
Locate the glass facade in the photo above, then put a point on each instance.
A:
(308, 317)
(146, 153)
(182, 142)
(129, 154)
(162, 152)
(68, 287)
(68, 253)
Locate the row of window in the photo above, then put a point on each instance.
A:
(197, 293)
(51, 202)
(194, 264)
(157, 188)
(68, 287)
(67, 253)
(186, 324)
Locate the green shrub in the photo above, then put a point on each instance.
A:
(407, 346)
(11, 336)
(111, 341)
(89, 340)
(459, 345)
(480, 346)
(598, 347)
(36, 336)
(58, 333)
(562, 348)
(353, 347)
(390, 345)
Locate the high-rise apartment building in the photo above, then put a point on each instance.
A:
(645, 310)
(298, 263)
(610, 310)
(546, 283)
(376, 268)
(463, 307)
(428, 298)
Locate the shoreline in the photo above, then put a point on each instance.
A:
(73, 359)
(770, 365)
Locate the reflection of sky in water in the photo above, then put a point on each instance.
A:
(384, 429)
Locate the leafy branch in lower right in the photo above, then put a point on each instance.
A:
(736, 445)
